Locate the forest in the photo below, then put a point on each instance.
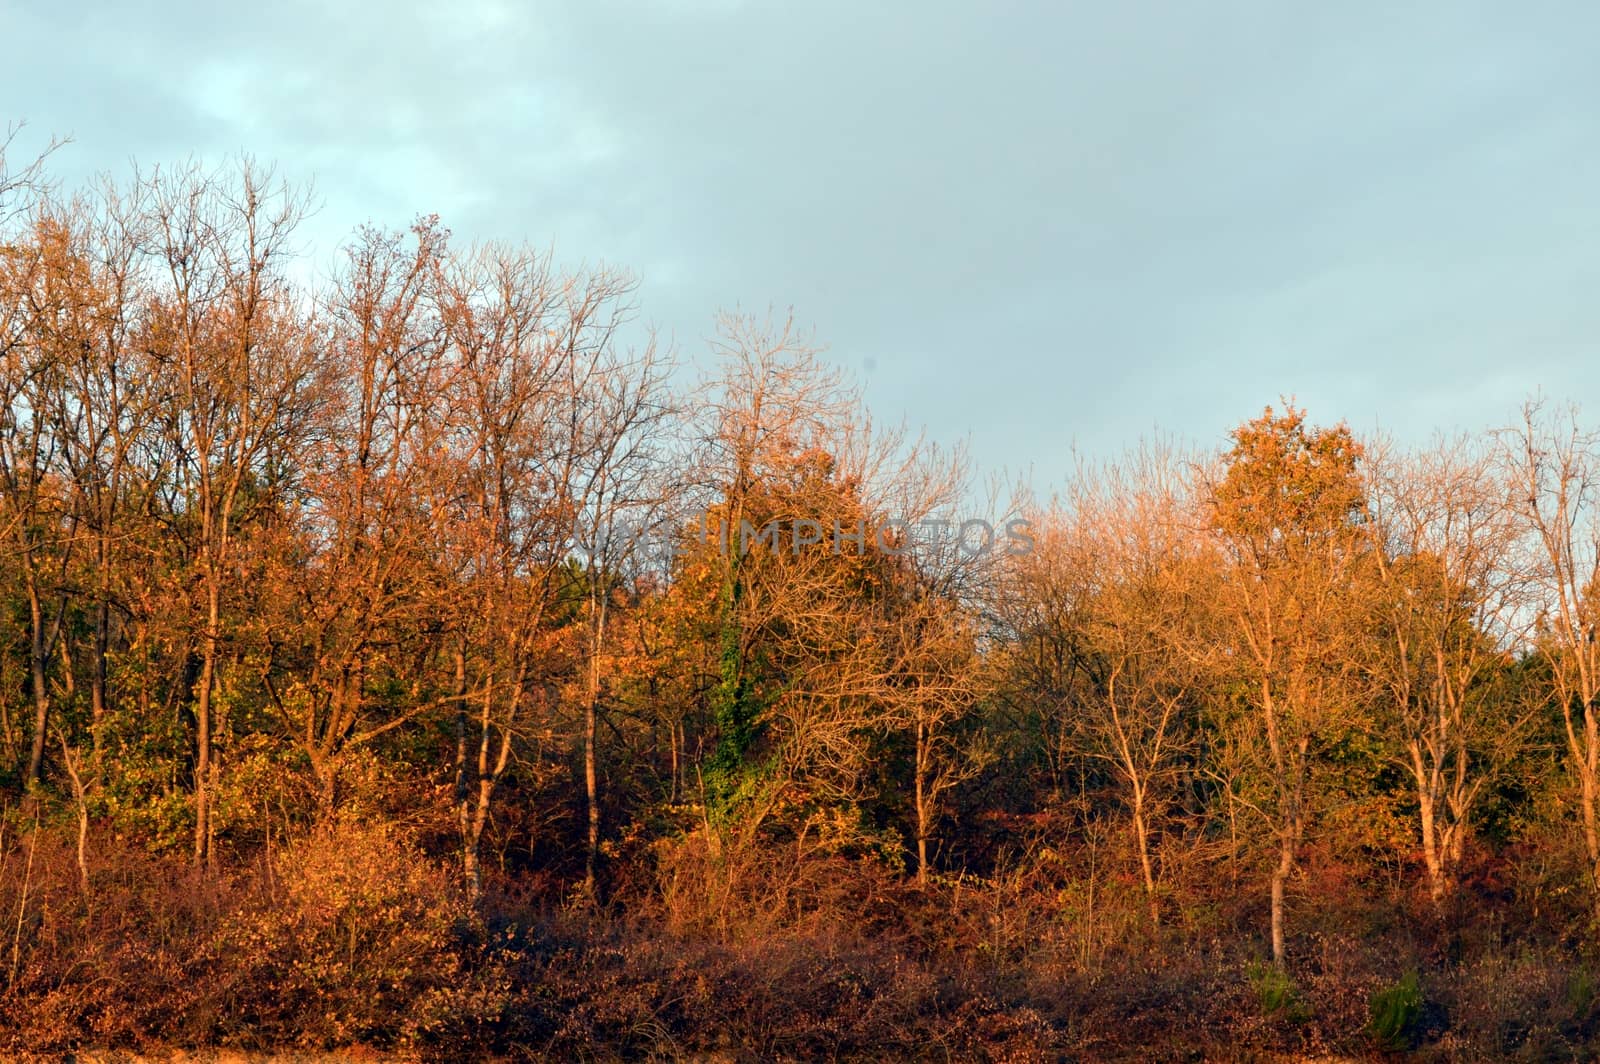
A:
(412, 654)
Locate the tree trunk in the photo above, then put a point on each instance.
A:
(202, 764)
(469, 857)
(592, 793)
(1141, 832)
(488, 775)
(37, 662)
(1428, 811)
(97, 680)
(1591, 830)
(1430, 848)
(1280, 876)
(921, 797)
(81, 805)
(327, 778)
(471, 869)
(677, 771)
(1457, 847)
(591, 782)
(102, 645)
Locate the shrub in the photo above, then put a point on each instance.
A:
(1395, 1012)
(1278, 994)
(354, 927)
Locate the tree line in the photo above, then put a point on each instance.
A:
(277, 549)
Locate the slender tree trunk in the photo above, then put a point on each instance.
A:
(203, 773)
(591, 782)
(1591, 829)
(102, 644)
(592, 793)
(81, 805)
(1461, 798)
(469, 858)
(472, 864)
(1141, 832)
(677, 771)
(37, 663)
(97, 680)
(921, 798)
(471, 868)
(1280, 876)
(488, 775)
(1286, 834)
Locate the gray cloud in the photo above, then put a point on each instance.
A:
(1038, 223)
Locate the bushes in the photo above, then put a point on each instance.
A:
(1278, 994)
(1396, 1013)
(1521, 1003)
(352, 934)
(116, 967)
(349, 928)
(334, 941)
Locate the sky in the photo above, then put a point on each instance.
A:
(1036, 227)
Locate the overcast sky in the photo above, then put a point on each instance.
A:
(1037, 225)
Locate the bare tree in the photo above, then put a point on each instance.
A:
(1553, 463)
(21, 185)
(934, 684)
(235, 360)
(939, 567)
(1448, 615)
(530, 348)
(106, 413)
(810, 507)
(626, 493)
(1146, 630)
(357, 581)
(43, 322)
(772, 418)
